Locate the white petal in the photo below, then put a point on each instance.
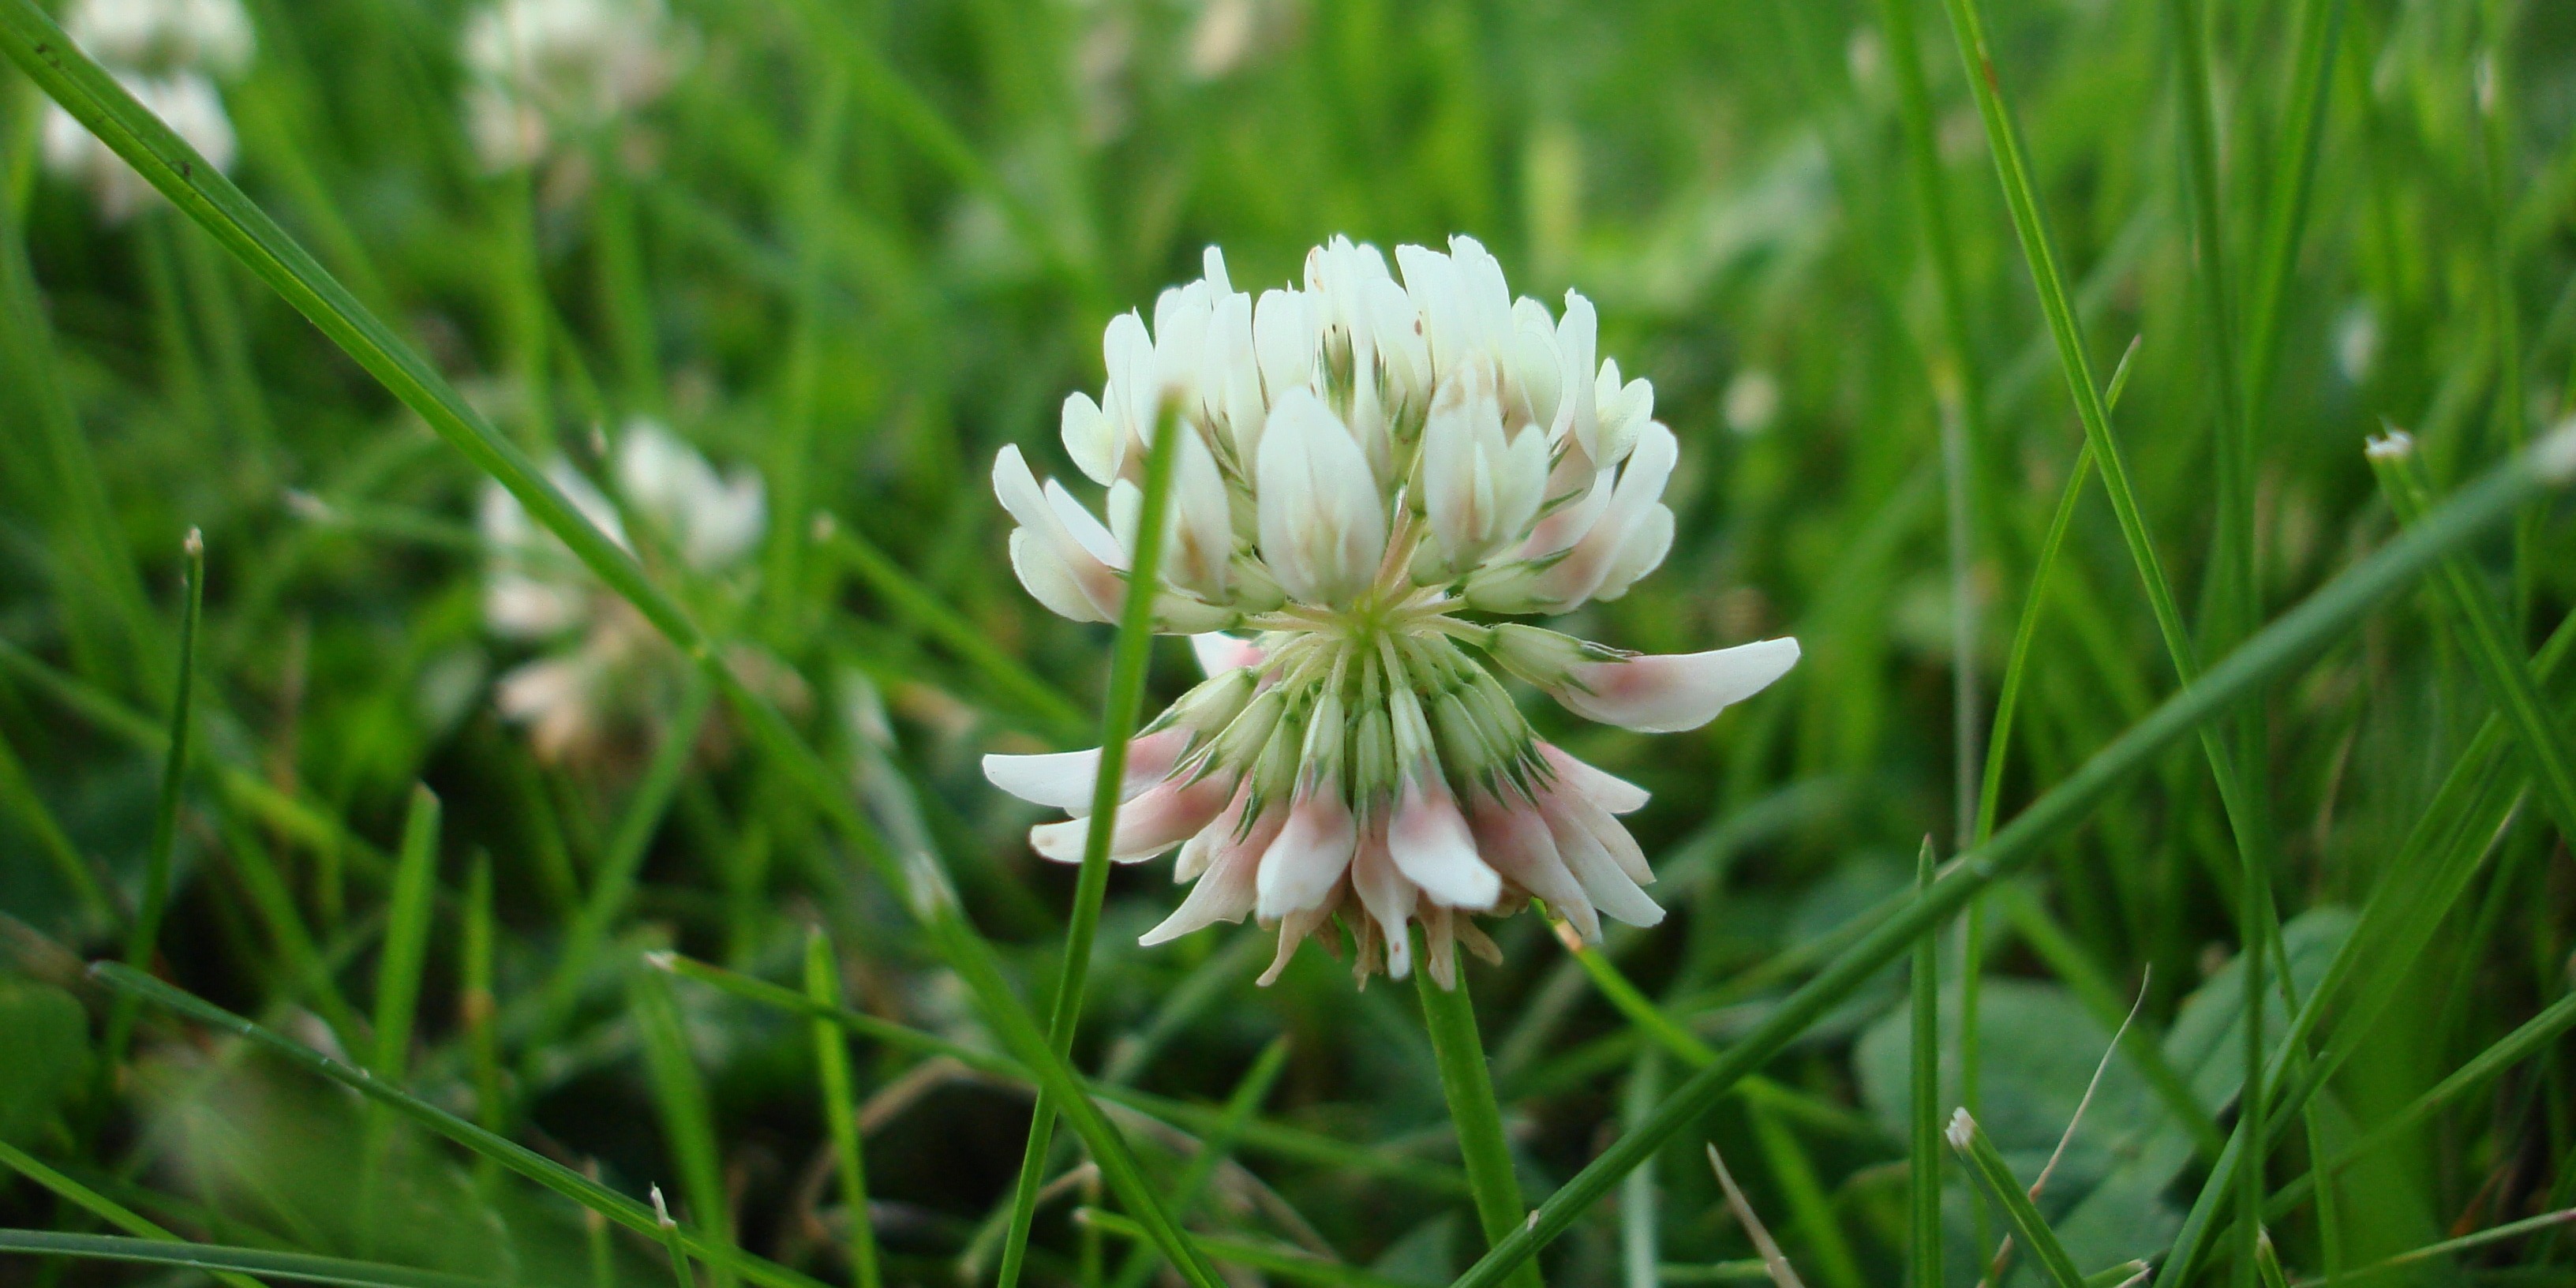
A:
(1387, 896)
(1301, 867)
(1641, 551)
(1611, 890)
(1609, 791)
(1089, 440)
(1284, 332)
(1049, 581)
(1198, 550)
(1516, 841)
(1064, 779)
(1163, 816)
(1577, 417)
(1668, 693)
(1225, 891)
(1322, 522)
(1429, 841)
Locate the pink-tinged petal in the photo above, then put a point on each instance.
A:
(1302, 866)
(1604, 830)
(1226, 888)
(1164, 816)
(1601, 787)
(1294, 930)
(1515, 840)
(1221, 831)
(1430, 843)
(1387, 896)
(1440, 937)
(1065, 779)
(1219, 652)
(1671, 692)
(1609, 888)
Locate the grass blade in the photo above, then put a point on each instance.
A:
(1923, 1179)
(832, 1066)
(406, 935)
(1988, 1167)
(687, 1122)
(2273, 651)
(230, 1264)
(99, 1205)
(143, 936)
(888, 581)
(1240, 1107)
(1287, 1263)
(1128, 662)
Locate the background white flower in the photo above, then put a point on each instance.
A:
(169, 54)
(1371, 470)
(541, 69)
(593, 643)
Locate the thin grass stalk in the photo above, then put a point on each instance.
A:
(1271, 1138)
(673, 1250)
(1923, 1177)
(143, 936)
(832, 1071)
(2320, 27)
(1809, 1204)
(99, 1205)
(1129, 660)
(231, 1265)
(1449, 1017)
(398, 972)
(477, 1010)
(1987, 1165)
(1641, 1191)
(688, 1121)
(2289, 639)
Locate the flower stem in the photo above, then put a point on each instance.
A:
(1450, 1016)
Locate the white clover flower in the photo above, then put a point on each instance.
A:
(540, 68)
(595, 644)
(168, 54)
(1370, 472)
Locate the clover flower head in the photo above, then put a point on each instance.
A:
(600, 661)
(1371, 475)
(168, 54)
(541, 68)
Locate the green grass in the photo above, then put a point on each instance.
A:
(378, 1002)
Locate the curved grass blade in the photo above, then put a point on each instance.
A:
(231, 1262)
(1988, 1167)
(99, 1205)
(832, 1065)
(1128, 662)
(2290, 639)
